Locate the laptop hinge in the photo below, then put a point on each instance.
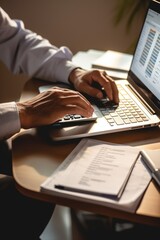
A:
(145, 104)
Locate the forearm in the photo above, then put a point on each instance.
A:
(23, 51)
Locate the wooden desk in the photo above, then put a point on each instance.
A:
(35, 158)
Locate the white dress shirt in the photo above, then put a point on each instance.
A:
(23, 51)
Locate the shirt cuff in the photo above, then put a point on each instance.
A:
(67, 66)
(9, 120)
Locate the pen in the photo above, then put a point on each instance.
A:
(149, 162)
(156, 176)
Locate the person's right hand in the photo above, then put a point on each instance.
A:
(52, 105)
(85, 81)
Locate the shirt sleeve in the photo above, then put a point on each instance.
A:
(23, 51)
(9, 120)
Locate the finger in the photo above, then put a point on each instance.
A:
(111, 88)
(115, 92)
(71, 99)
(91, 90)
(101, 83)
(106, 83)
(67, 94)
(77, 100)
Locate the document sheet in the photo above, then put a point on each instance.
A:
(98, 168)
(110, 174)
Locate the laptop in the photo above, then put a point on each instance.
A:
(139, 94)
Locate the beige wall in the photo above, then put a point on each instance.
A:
(81, 25)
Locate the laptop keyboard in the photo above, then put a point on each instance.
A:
(125, 113)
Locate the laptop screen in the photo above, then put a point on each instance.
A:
(146, 61)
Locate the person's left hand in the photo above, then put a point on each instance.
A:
(83, 81)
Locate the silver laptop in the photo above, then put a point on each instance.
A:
(139, 95)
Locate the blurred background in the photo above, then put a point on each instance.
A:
(80, 25)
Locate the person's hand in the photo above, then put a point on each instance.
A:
(52, 105)
(83, 81)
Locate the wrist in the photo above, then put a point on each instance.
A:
(22, 116)
(74, 75)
